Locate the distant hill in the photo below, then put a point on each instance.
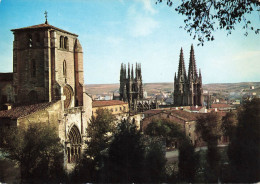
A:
(152, 88)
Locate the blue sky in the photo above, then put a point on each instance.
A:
(116, 31)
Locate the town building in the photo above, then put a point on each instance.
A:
(185, 119)
(47, 85)
(188, 88)
(116, 107)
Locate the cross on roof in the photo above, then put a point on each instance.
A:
(46, 16)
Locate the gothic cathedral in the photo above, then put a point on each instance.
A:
(188, 89)
(131, 87)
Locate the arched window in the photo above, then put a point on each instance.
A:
(30, 42)
(75, 141)
(66, 43)
(33, 68)
(64, 69)
(61, 41)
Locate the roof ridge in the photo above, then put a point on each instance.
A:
(39, 26)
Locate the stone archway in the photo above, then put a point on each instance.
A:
(74, 146)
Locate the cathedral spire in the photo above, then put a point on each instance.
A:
(132, 72)
(136, 71)
(192, 66)
(181, 70)
(128, 71)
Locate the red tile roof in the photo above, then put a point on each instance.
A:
(6, 76)
(153, 111)
(21, 111)
(42, 26)
(220, 106)
(187, 116)
(194, 108)
(103, 103)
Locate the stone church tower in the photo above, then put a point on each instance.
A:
(131, 86)
(47, 64)
(48, 85)
(188, 89)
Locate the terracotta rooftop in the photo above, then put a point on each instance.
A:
(103, 103)
(6, 76)
(220, 106)
(21, 111)
(153, 111)
(42, 26)
(194, 108)
(187, 116)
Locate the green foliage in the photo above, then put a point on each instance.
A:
(209, 127)
(84, 171)
(37, 150)
(188, 161)
(170, 131)
(229, 124)
(203, 17)
(166, 129)
(155, 161)
(244, 150)
(126, 155)
(100, 132)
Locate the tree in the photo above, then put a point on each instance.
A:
(100, 131)
(37, 150)
(203, 17)
(244, 149)
(126, 155)
(208, 126)
(166, 129)
(188, 161)
(170, 131)
(155, 161)
(229, 124)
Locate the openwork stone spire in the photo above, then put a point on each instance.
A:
(192, 75)
(181, 70)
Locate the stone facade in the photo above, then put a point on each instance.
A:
(48, 84)
(188, 89)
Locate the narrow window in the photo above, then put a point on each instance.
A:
(66, 43)
(61, 42)
(33, 68)
(64, 69)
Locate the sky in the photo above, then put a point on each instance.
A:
(112, 32)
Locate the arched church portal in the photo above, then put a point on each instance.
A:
(74, 146)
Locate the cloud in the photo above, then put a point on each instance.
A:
(148, 6)
(143, 26)
(139, 24)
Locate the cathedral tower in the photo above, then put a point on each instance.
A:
(187, 89)
(131, 86)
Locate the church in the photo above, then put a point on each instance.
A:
(131, 90)
(47, 85)
(188, 88)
